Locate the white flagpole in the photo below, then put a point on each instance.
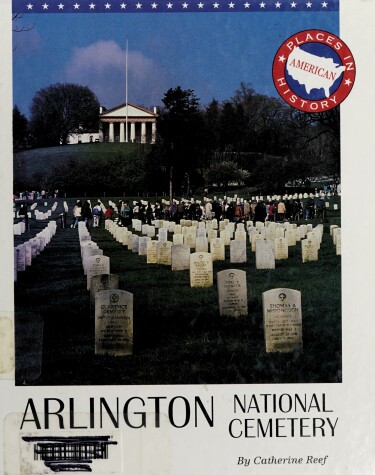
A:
(126, 92)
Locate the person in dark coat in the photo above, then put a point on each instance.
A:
(86, 213)
(260, 212)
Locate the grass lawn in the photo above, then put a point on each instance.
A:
(31, 162)
(179, 337)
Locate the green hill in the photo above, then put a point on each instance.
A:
(30, 165)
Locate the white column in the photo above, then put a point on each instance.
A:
(153, 132)
(143, 132)
(132, 131)
(111, 132)
(122, 132)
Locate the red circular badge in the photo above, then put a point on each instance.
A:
(313, 71)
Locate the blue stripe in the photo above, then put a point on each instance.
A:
(180, 6)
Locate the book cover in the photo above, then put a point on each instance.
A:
(190, 122)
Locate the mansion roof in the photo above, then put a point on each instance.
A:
(133, 111)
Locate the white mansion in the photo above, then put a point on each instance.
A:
(123, 123)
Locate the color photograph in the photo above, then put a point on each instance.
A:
(176, 179)
(156, 159)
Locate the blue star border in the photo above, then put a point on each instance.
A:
(171, 6)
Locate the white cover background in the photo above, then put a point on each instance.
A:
(204, 450)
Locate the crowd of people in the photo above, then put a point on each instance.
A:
(235, 211)
(286, 209)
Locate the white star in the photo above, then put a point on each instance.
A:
(45, 6)
(324, 4)
(29, 6)
(348, 82)
(282, 59)
(293, 4)
(138, 5)
(76, 6)
(92, 6)
(262, 5)
(185, 5)
(107, 6)
(277, 4)
(123, 6)
(61, 6)
(246, 5)
(169, 5)
(200, 5)
(231, 5)
(154, 5)
(309, 4)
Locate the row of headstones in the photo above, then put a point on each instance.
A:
(210, 228)
(20, 227)
(114, 307)
(282, 312)
(39, 215)
(267, 248)
(238, 199)
(24, 253)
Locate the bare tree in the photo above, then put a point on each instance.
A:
(17, 28)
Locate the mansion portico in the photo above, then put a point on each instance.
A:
(140, 124)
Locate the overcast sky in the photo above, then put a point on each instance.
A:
(211, 53)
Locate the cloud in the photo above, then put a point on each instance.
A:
(101, 67)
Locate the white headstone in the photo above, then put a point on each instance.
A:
(189, 240)
(201, 269)
(254, 239)
(135, 243)
(302, 231)
(217, 249)
(151, 231)
(162, 234)
(178, 239)
(113, 322)
(211, 235)
(282, 320)
(17, 230)
(152, 252)
(137, 225)
(281, 248)
(178, 229)
(165, 253)
(239, 235)
(102, 282)
(96, 265)
(238, 251)
(87, 253)
(290, 236)
(309, 250)
(20, 256)
(335, 232)
(338, 245)
(232, 291)
(264, 255)
(142, 245)
(180, 257)
(201, 244)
